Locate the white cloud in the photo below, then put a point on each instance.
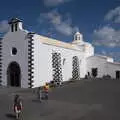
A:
(76, 29)
(4, 26)
(113, 15)
(103, 52)
(54, 2)
(114, 54)
(63, 26)
(107, 36)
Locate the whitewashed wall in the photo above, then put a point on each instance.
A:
(19, 41)
(97, 62)
(104, 67)
(112, 68)
(43, 62)
(42, 59)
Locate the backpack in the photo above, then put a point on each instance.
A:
(18, 104)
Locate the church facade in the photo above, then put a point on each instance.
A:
(30, 60)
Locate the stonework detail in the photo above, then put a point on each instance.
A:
(57, 69)
(30, 60)
(0, 61)
(76, 71)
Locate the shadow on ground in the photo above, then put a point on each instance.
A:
(11, 116)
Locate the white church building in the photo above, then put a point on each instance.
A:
(30, 60)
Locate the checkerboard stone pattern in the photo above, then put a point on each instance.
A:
(75, 68)
(30, 60)
(0, 61)
(57, 69)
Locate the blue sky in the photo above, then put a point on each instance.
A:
(97, 20)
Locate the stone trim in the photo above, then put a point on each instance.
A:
(0, 62)
(30, 60)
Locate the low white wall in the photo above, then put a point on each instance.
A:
(104, 67)
(97, 62)
(112, 68)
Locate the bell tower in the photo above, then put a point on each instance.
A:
(78, 38)
(15, 25)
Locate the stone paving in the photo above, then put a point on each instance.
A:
(82, 100)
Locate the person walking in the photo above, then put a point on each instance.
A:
(39, 93)
(46, 89)
(17, 106)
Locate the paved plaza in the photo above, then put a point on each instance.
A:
(81, 100)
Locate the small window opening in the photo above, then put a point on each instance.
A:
(16, 26)
(14, 51)
(94, 72)
(12, 28)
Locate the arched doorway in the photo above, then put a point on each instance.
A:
(14, 75)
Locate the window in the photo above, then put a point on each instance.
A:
(16, 27)
(78, 37)
(12, 28)
(14, 51)
(75, 37)
(118, 74)
(64, 61)
(94, 72)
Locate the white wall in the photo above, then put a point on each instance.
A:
(42, 59)
(97, 62)
(112, 68)
(19, 41)
(43, 62)
(104, 67)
